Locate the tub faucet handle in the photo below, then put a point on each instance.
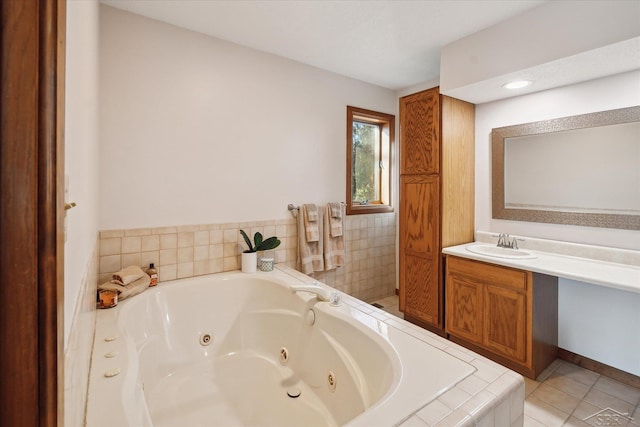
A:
(320, 293)
(335, 299)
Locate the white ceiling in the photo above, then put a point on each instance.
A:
(393, 44)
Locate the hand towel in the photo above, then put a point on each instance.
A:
(133, 288)
(311, 227)
(312, 212)
(127, 275)
(309, 253)
(335, 221)
(336, 210)
(334, 253)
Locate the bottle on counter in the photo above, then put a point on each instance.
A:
(153, 273)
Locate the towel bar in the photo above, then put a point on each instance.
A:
(295, 208)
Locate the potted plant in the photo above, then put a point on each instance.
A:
(249, 256)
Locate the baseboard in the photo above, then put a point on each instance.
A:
(397, 291)
(599, 367)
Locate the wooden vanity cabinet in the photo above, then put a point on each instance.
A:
(505, 314)
(436, 206)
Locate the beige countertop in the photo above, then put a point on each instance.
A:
(625, 277)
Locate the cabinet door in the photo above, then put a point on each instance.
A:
(420, 133)
(420, 290)
(505, 331)
(464, 307)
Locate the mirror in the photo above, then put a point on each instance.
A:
(579, 170)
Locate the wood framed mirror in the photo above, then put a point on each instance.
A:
(579, 170)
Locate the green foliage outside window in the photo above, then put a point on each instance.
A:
(365, 160)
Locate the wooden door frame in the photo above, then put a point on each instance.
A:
(32, 39)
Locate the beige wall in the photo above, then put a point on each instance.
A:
(196, 130)
(81, 168)
(81, 147)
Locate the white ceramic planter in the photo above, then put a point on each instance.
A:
(249, 262)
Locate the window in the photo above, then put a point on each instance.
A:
(369, 140)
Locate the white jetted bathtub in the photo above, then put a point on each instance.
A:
(236, 349)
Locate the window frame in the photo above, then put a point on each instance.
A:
(386, 122)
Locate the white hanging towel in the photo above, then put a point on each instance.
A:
(335, 220)
(310, 257)
(311, 223)
(333, 244)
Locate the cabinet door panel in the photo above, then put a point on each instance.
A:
(420, 220)
(505, 322)
(464, 308)
(420, 290)
(420, 133)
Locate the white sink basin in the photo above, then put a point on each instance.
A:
(495, 251)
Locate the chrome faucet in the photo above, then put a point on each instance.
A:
(505, 242)
(514, 243)
(321, 293)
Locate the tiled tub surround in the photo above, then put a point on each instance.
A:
(193, 250)
(77, 356)
(565, 394)
(492, 396)
(488, 394)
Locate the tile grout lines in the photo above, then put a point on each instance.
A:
(582, 400)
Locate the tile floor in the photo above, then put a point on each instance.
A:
(568, 395)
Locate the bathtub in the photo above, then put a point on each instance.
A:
(235, 349)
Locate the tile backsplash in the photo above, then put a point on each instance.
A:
(370, 270)
(193, 250)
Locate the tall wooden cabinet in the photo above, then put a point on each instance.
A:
(436, 206)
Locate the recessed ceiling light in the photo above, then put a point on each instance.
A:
(519, 84)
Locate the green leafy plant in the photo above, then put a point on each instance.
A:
(258, 243)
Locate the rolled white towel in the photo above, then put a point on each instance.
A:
(129, 290)
(127, 275)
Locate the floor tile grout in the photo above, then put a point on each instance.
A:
(582, 400)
